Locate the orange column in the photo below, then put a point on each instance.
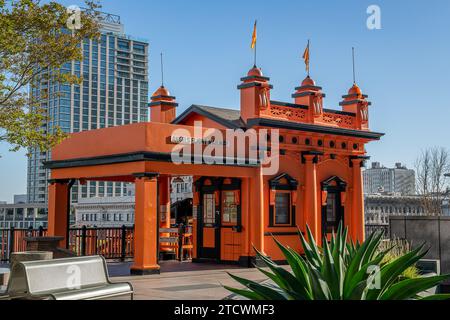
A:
(164, 200)
(257, 211)
(312, 215)
(195, 213)
(357, 220)
(146, 226)
(245, 213)
(58, 208)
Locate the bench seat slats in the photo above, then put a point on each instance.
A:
(82, 278)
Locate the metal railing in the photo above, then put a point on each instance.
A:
(112, 243)
(372, 228)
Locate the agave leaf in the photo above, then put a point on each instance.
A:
(410, 288)
(320, 288)
(312, 252)
(298, 268)
(290, 295)
(329, 273)
(391, 271)
(353, 287)
(242, 281)
(372, 248)
(304, 271)
(343, 241)
(341, 275)
(335, 244)
(289, 281)
(263, 291)
(357, 292)
(356, 262)
(268, 293)
(279, 282)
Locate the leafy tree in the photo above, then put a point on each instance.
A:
(36, 40)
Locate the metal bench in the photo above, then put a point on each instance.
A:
(84, 278)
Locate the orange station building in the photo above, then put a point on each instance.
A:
(236, 207)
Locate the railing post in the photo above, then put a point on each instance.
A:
(11, 242)
(83, 241)
(30, 231)
(181, 232)
(124, 244)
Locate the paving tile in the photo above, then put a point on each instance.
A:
(188, 282)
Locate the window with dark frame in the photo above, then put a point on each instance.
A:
(209, 214)
(230, 209)
(332, 216)
(282, 209)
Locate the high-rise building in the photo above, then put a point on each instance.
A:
(381, 180)
(113, 92)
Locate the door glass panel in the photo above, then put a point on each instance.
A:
(229, 208)
(209, 214)
(282, 201)
(332, 219)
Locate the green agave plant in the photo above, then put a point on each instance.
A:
(341, 270)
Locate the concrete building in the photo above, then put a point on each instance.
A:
(20, 199)
(181, 188)
(378, 208)
(114, 92)
(23, 216)
(381, 180)
(104, 212)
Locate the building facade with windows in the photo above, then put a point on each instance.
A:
(378, 208)
(181, 189)
(381, 180)
(23, 216)
(104, 212)
(114, 92)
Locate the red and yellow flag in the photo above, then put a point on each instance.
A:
(306, 58)
(254, 37)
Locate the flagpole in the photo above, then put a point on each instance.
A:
(353, 59)
(309, 57)
(256, 42)
(256, 45)
(162, 70)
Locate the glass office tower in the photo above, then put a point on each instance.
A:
(114, 92)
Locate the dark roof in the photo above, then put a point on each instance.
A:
(231, 118)
(227, 117)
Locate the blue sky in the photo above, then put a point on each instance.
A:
(404, 67)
